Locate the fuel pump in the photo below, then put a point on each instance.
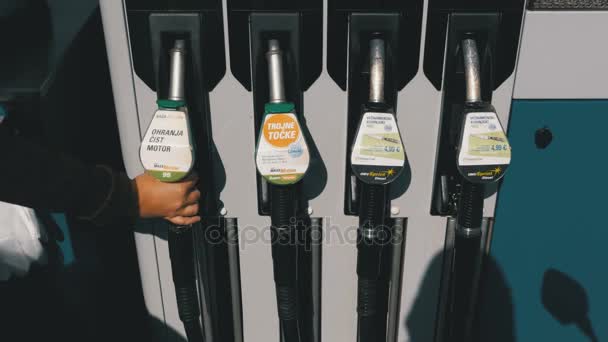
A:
(483, 155)
(167, 154)
(377, 159)
(282, 159)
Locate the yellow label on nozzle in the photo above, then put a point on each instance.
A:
(378, 156)
(484, 141)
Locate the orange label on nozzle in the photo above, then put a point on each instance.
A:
(281, 130)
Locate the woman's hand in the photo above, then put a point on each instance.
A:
(176, 202)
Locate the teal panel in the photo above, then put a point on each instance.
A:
(65, 246)
(550, 236)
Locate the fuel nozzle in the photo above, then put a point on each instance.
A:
(377, 153)
(280, 135)
(483, 156)
(470, 207)
(378, 133)
(282, 156)
(170, 158)
(484, 152)
(476, 119)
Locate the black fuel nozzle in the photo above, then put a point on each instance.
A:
(482, 157)
(373, 195)
(470, 206)
(372, 203)
(180, 238)
(283, 211)
(483, 149)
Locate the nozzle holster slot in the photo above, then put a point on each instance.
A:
(364, 27)
(152, 36)
(483, 29)
(284, 27)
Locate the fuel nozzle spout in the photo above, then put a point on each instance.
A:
(177, 71)
(471, 70)
(274, 56)
(377, 57)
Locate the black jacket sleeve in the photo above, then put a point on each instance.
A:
(40, 178)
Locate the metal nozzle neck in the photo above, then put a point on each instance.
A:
(471, 70)
(377, 56)
(274, 57)
(177, 71)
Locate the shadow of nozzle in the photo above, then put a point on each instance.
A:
(567, 301)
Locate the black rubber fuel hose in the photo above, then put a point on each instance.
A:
(284, 258)
(369, 258)
(181, 252)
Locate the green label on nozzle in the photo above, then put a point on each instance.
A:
(282, 155)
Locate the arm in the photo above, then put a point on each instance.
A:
(37, 177)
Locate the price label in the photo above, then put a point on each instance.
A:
(484, 152)
(378, 155)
